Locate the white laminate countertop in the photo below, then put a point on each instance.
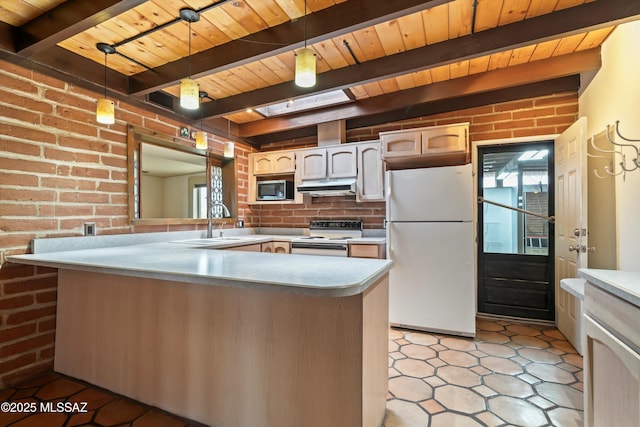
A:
(301, 274)
(624, 284)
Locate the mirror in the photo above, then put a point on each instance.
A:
(169, 180)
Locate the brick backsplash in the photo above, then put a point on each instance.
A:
(59, 169)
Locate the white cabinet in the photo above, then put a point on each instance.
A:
(277, 162)
(370, 183)
(612, 361)
(427, 146)
(337, 161)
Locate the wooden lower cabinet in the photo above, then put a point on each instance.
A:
(254, 247)
(281, 247)
(228, 356)
(367, 251)
(611, 363)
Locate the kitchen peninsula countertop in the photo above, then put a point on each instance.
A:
(623, 284)
(299, 274)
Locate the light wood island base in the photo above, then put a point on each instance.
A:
(228, 356)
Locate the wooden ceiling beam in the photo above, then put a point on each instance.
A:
(64, 21)
(567, 22)
(538, 71)
(331, 22)
(531, 90)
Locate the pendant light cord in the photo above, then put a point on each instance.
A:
(190, 48)
(105, 75)
(305, 24)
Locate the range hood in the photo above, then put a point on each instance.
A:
(332, 187)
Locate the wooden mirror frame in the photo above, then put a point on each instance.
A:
(136, 136)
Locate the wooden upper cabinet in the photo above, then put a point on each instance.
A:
(444, 140)
(429, 146)
(313, 163)
(279, 162)
(401, 143)
(370, 172)
(341, 161)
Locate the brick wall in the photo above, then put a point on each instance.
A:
(544, 115)
(59, 169)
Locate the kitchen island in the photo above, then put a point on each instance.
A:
(226, 338)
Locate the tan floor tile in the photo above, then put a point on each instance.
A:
(501, 366)
(568, 367)
(489, 419)
(393, 372)
(459, 399)
(488, 325)
(458, 358)
(61, 387)
(531, 342)
(477, 353)
(563, 345)
(517, 411)
(480, 370)
(421, 338)
(524, 330)
(79, 419)
(156, 419)
(541, 402)
(397, 355)
(508, 385)
(393, 346)
(405, 414)
(449, 419)
(494, 337)
(508, 333)
(520, 360)
(484, 391)
(459, 376)
(550, 373)
(119, 411)
(578, 386)
(414, 368)
(413, 389)
(462, 344)
(539, 355)
(529, 378)
(438, 347)
(94, 398)
(574, 359)
(503, 322)
(436, 362)
(434, 381)
(561, 395)
(431, 406)
(395, 334)
(555, 333)
(493, 349)
(41, 419)
(416, 351)
(566, 417)
(402, 341)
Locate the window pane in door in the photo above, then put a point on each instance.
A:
(518, 179)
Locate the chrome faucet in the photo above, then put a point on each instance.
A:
(225, 213)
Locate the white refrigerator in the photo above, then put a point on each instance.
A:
(431, 240)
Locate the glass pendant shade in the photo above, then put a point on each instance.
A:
(189, 97)
(305, 67)
(105, 112)
(201, 140)
(228, 149)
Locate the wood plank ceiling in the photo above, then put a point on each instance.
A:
(386, 55)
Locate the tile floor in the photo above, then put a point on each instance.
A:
(511, 374)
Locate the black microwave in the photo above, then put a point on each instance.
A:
(274, 190)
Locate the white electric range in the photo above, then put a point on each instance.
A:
(328, 237)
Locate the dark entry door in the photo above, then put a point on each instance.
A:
(515, 249)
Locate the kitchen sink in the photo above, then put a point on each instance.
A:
(209, 241)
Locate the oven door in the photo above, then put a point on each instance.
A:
(324, 249)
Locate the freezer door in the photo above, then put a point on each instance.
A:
(430, 194)
(432, 284)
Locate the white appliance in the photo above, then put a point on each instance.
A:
(328, 237)
(431, 240)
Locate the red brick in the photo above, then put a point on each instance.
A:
(47, 353)
(30, 285)
(76, 184)
(13, 363)
(46, 297)
(62, 124)
(20, 85)
(31, 371)
(79, 197)
(21, 331)
(112, 187)
(70, 156)
(15, 271)
(16, 302)
(22, 179)
(534, 113)
(27, 165)
(25, 224)
(28, 134)
(46, 325)
(66, 99)
(25, 316)
(19, 114)
(90, 144)
(87, 172)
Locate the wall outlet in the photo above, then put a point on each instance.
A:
(89, 228)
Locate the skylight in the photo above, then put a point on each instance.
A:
(302, 104)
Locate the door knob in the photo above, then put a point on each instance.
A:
(574, 248)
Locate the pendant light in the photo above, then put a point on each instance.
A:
(105, 109)
(201, 136)
(305, 60)
(229, 147)
(189, 92)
